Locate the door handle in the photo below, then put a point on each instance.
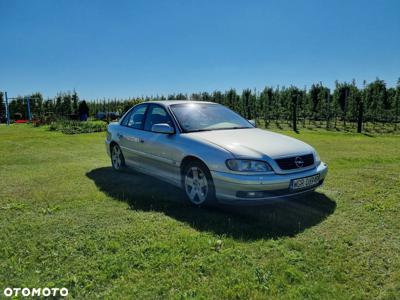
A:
(141, 141)
(120, 136)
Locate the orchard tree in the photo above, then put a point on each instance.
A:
(294, 94)
(36, 104)
(217, 97)
(180, 96)
(232, 99)
(341, 96)
(75, 101)
(246, 103)
(376, 99)
(205, 96)
(324, 104)
(314, 101)
(266, 104)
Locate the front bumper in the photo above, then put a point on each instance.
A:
(229, 187)
(107, 144)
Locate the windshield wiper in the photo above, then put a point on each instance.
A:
(213, 129)
(238, 127)
(198, 130)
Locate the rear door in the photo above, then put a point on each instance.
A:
(131, 135)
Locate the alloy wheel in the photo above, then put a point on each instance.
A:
(116, 157)
(196, 185)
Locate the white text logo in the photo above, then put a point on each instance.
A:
(27, 292)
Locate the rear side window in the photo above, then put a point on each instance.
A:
(157, 115)
(135, 118)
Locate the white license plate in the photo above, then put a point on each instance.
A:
(305, 182)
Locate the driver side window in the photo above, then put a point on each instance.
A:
(157, 115)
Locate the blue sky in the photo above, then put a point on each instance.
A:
(134, 48)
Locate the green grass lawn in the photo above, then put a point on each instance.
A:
(68, 220)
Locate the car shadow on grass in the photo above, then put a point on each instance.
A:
(283, 218)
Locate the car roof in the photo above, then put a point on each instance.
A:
(171, 102)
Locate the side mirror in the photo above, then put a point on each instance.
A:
(163, 128)
(253, 122)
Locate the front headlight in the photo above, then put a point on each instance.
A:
(246, 165)
(317, 159)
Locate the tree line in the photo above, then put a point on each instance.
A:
(346, 106)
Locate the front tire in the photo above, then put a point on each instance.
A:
(198, 184)
(117, 158)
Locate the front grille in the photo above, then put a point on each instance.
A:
(290, 163)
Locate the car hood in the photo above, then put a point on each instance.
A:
(254, 143)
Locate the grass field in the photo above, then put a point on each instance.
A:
(68, 220)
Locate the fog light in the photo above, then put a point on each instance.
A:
(243, 194)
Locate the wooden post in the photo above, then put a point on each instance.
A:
(7, 109)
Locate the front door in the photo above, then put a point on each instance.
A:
(161, 151)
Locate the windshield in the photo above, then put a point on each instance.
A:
(207, 116)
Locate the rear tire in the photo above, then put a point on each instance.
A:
(198, 184)
(117, 158)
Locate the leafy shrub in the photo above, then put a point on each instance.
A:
(44, 119)
(76, 127)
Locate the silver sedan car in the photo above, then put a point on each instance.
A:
(212, 153)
